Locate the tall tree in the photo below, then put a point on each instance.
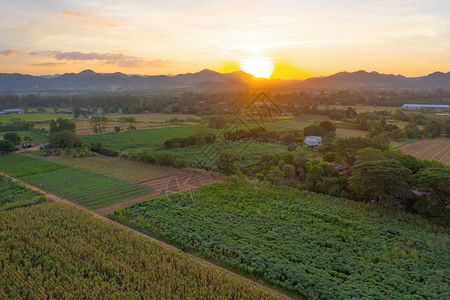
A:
(98, 124)
(380, 180)
(437, 181)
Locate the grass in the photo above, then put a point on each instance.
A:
(287, 125)
(19, 165)
(80, 186)
(34, 117)
(153, 118)
(437, 148)
(153, 138)
(314, 245)
(349, 133)
(205, 156)
(36, 137)
(361, 108)
(87, 189)
(150, 138)
(55, 250)
(118, 168)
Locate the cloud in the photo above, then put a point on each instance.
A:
(9, 52)
(73, 14)
(118, 59)
(108, 24)
(142, 63)
(48, 64)
(76, 55)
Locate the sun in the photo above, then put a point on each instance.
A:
(261, 67)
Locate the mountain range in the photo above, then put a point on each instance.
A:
(90, 81)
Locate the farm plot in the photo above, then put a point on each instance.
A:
(204, 156)
(143, 138)
(84, 127)
(438, 148)
(181, 182)
(22, 165)
(80, 186)
(349, 133)
(314, 245)
(118, 168)
(85, 188)
(55, 250)
(14, 195)
(37, 138)
(34, 117)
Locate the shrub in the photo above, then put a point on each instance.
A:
(64, 139)
(165, 159)
(13, 137)
(288, 171)
(145, 156)
(330, 156)
(100, 149)
(225, 163)
(6, 146)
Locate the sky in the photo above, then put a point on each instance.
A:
(300, 38)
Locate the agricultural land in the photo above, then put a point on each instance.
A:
(438, 149)
(60, 251)
(315, 246)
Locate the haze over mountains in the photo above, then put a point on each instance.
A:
(89, 81)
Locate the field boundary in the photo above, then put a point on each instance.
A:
(151, 238)
(110, 177)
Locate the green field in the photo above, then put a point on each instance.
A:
(314, 245)
(80, 186)
(118, 168)
(19, 165)
(34, 117)
(246, 154)
(36, 137)
(56, 251)
(14, 195)
(150, 138)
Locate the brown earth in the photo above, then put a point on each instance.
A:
(437, 148)
(104, 211)
(181, 182)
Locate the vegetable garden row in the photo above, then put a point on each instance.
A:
(83, 187)
(13, 195)
(314, 245)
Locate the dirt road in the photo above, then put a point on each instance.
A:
(59, 199)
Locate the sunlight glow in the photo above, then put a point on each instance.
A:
(261, 67)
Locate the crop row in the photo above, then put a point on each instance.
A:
(20, 165)
(13, 195)
(85, 188)
(315, 245)
(56, 251)
(80, 186)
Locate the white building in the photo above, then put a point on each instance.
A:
(425, 106)
(313, 142)
(13, 111)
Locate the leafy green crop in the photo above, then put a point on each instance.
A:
(80, 186)
(315, 245)
(13, 195)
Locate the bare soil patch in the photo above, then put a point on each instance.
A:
(438, 148)
(181, 182)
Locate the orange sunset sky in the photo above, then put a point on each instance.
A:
(281, 39)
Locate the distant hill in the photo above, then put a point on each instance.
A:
(89, 80)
